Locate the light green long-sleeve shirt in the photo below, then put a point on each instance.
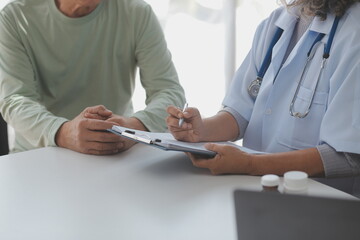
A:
(52, 66)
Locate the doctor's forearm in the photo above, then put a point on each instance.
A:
(221, 127)
(307, 160)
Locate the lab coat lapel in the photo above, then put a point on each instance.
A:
(321, 26)
(286, 21)
(317, 26)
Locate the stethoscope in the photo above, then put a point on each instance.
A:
(254, 86)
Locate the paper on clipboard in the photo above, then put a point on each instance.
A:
(167, 142)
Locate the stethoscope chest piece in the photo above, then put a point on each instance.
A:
(254, 87)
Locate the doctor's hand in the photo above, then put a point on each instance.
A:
(229, 160)
(192, 129)
(88, 135)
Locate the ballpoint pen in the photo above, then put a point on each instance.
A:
(181, 121)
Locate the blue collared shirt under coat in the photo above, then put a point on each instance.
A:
(334, 117)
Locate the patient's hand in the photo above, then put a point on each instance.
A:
(88, 135)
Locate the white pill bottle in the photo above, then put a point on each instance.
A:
(296, 182)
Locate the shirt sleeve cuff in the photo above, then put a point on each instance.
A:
(54, 129)
(241, 121)
(337, 164)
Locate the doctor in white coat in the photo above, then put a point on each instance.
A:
(296, 96)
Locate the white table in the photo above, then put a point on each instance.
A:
(144, 193)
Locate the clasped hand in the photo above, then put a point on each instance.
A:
(87, 133)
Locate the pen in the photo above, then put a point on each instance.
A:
(181, 121)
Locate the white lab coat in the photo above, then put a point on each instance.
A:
(334, 116)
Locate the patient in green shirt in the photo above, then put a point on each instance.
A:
(67, 72)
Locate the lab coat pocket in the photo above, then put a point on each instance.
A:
(303, 101)
(304, 132)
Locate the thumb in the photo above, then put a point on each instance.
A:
(218, 148)
(117, 120)
(191, 112)
(101, 110)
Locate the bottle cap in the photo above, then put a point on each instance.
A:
(270, 180)
(295, 180)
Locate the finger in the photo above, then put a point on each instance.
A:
(100, 110)
(202, 162)
(117, 120)
(172, 122)
(95, 124)
(100, 152)
(182, 134)
(99, 148)
(199, 160)
(188, 116)
(94, 116)
(101, 137)
(92, 130)
(186, 125)
(190, 112)
(218, 148)
(127, 144)
(174, 111)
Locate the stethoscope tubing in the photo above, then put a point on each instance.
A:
(267, 60)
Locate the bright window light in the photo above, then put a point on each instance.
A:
(195, 33)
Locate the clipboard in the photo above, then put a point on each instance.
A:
(164, 141)
(167, 142)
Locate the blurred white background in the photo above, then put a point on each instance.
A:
(208, 40)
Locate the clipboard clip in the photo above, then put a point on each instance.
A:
(140, 138)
